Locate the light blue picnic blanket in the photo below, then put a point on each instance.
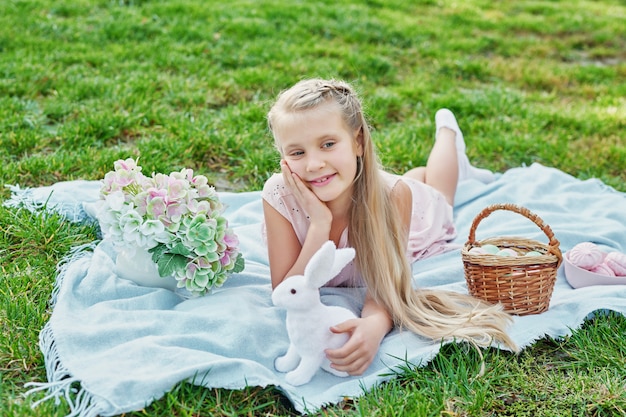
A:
(128, 345)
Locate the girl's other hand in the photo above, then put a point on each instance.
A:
(360, 350)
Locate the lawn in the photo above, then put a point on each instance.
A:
(187, 83)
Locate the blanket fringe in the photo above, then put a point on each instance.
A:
(22, 198)
(35, 201)
(61, 383)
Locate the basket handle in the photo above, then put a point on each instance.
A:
(553, 242)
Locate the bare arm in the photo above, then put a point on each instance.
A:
(377, 314)
(286, 256)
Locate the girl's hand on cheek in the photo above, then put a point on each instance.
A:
(314, 207)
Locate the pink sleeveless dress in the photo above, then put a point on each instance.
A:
(432, 224)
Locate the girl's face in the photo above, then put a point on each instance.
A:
(319, 147)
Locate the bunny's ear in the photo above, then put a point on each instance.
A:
(343, 257)
(326, 263)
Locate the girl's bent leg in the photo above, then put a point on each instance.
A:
(418, 173)
(448, 164)
(445, 118)
(442, 168)
(441, 171)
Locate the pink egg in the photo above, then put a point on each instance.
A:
(476, 250)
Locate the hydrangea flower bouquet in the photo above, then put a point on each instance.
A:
(177, 218)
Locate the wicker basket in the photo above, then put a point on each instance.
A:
(522, 284)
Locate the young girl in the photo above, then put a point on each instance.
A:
(333, 188)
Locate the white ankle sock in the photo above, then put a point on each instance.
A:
(445, 118)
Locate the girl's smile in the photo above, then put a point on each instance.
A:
(320, 182)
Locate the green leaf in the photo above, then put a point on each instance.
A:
(240, 264)
(157, 252)
(169, 263)
(180, 249)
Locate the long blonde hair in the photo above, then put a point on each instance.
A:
(439, 315)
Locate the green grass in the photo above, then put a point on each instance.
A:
(187, 83)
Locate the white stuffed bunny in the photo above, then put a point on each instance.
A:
(308, 320)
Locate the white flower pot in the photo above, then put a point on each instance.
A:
(137, 266)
